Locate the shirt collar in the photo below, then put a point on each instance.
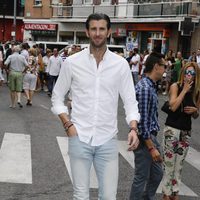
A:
(151, 82)
(91, 55)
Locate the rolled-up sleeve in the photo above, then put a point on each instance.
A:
(61, 88)
(127, 93)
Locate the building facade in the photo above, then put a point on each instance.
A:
(146, 24)
(11, 25)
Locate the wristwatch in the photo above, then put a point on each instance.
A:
(134, 129)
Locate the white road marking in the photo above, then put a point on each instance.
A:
(128, 155)
(45, 107)
(193, 158)
(15, 159)
(184, 190)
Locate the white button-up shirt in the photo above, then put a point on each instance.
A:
(198, 60)
(54, 65)
(135, 68)
(95, 93)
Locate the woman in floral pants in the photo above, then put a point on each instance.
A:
(184, 102)
(176, 146)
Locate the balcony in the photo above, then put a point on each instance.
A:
(132, 10)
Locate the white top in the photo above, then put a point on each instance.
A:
(54, 65)
(45, 61)
(95, 93)
(25, 53)
(143, 64)
(198, 60)
(1, 76)
(135, 68)
(1, 56)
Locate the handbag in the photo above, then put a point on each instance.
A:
(166, 107)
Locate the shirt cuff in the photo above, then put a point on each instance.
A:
(135, 117)
(59, 109)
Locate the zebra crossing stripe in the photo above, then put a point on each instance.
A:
(184, 190)
(129, 156)
(193, 157)
(63, 144)
(15, 159)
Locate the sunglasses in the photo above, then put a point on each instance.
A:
(191, 72)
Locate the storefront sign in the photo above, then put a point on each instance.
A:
(146, 27)
(121, 32)
(166, 33)
(45, 27)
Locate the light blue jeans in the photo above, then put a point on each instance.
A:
(105, 161)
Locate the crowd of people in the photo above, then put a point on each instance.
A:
(29, 69)
(174, 63)
(95, 77)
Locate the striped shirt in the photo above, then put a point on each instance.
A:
(148, 107)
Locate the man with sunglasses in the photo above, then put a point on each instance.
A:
(148, 160)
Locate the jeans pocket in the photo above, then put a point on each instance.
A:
(72, 137)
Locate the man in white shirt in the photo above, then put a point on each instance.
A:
(198, 57)
(96, 77)
(135, 62)
(24, 51)
(53, 70)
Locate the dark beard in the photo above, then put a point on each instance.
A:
(101, 45)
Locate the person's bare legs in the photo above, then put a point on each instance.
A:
(13, 99)
(19, 99)
(31, 92)
(27, 94)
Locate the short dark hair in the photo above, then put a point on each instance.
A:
(153, 58)
(98, 16)
(135, 50)
(24, 45)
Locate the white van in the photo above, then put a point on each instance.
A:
(120, 49)
(52, 45)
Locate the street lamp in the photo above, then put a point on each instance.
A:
(4, 24)
(14, 21)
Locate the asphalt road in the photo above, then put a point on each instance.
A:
(49, 179)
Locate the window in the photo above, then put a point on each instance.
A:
(38, 2)
(88, 1)
(106, 1)
(55, 1)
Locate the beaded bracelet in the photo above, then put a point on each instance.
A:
(67, 127)
(67, 123)
(151, 149)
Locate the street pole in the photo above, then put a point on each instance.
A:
(14, 20)
(4, 27)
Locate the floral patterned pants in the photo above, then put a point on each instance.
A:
(175, 148)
